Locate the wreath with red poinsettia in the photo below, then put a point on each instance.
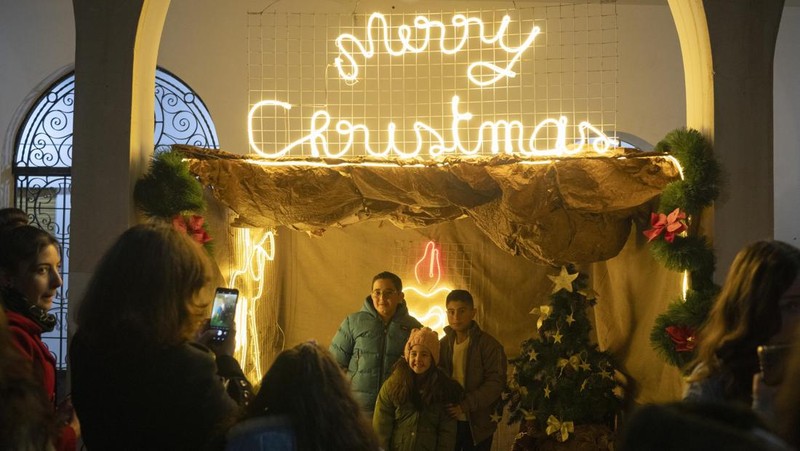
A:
(676, 243)
(170, 193)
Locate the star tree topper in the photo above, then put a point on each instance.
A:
(563, 280)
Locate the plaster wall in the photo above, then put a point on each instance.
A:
(787, 126)
(37, 46)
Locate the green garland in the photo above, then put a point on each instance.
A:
(700, 185)
(674, 332)
(168, 188)
(686, 315)
(169, 192)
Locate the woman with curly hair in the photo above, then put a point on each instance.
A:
(411, 412)
(304, 403)
(759, 305)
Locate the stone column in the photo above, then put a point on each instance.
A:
(115, 61)
(728, 48)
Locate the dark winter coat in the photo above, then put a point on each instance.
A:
(170, 398)
(485, 377)
(368, 349)
(401, 427)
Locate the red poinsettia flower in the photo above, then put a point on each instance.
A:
(193, 225)
(671, 224)
(178, 223)
(683, 337)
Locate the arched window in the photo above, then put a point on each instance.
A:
(632, 141)
(627, 141)
(42, 166)
(181, 116)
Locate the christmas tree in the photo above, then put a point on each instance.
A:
(561, 380)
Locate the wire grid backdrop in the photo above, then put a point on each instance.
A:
(455, 260)
(426, 284)
(569, 70)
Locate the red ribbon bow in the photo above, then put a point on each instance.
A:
(193, 225)
(671, 225)
(683, 337)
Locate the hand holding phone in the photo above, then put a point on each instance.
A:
(772, 360)
(223, 313)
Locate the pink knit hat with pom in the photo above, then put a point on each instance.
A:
(425, 337)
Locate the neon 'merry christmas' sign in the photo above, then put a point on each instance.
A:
(509, 137)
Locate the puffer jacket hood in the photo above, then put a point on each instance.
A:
(367, 348)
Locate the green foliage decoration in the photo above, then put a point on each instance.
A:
(169, 192)
(700, 185)
(168, 188)
(692, 253)
(674, 333)
(689, 314)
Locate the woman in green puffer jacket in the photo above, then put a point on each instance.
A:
(410, 411)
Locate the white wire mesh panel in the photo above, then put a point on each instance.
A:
(412, 68)
(455, 261)
(429, 271)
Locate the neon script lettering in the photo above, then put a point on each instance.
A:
(417, 39)
(501, 135)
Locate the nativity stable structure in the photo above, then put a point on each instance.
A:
(566, 211)
(471, 142)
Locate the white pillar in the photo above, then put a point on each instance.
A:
(115, 60)
(728, 48)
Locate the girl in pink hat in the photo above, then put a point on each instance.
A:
(410, 411)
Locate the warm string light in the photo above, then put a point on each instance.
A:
(242, 312)
(435, 318)
(685, 284)
(322, 164)
(253, 264)
(408, 36)
(502, 135)
(256, 257)
(428, 294)
(685, 278)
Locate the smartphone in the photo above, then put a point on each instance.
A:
(772, 360)
(223, 312)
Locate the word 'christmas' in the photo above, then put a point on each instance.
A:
(501, 135)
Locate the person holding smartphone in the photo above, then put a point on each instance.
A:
(139, 378)
(223, 313)
(759, 305)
